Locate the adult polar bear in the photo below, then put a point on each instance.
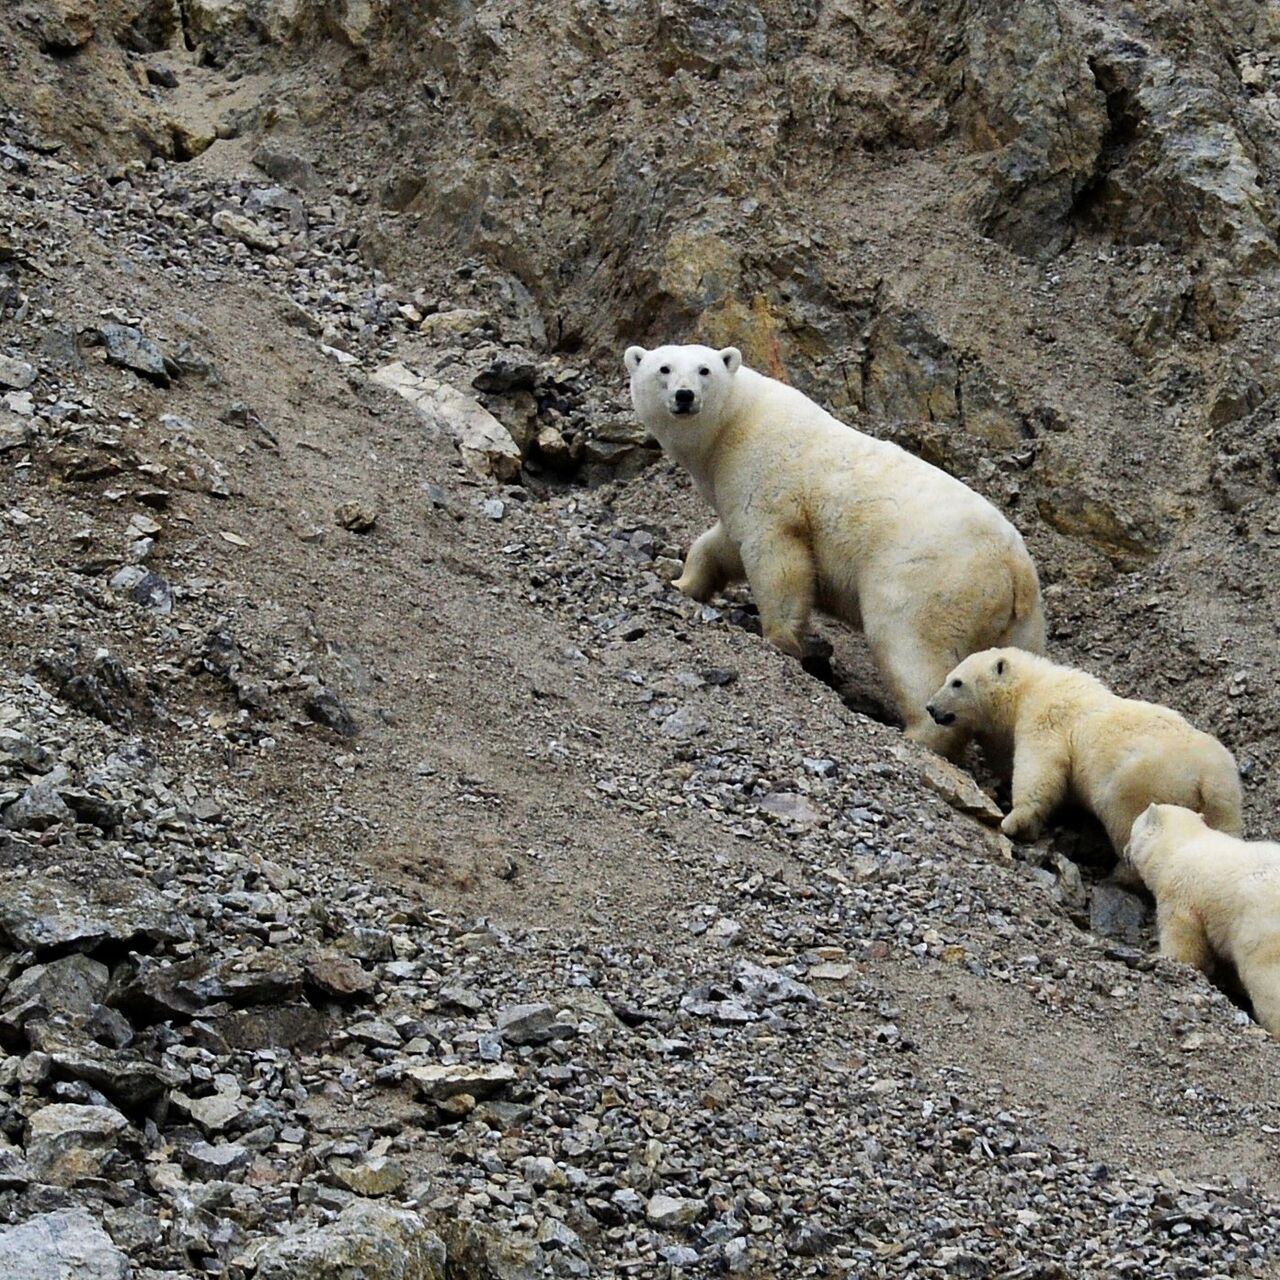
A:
(812, 512)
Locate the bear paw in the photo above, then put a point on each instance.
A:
(692, 588)
(1020, 825)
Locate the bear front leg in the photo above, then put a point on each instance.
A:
(780, 569)
(1039, 786)
(713, 563)
(1182, 937)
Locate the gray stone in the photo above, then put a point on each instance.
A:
(370, 1240)
(67, 1143)
(532, 1024)
(37, 809)
(792, 806)
(215, 1160)
(1114, 912)
(129, 348)
(67, 1245)
(670, 1212)
(685, 723)
(38, 913)
(14, 1170)
(68, 988)
(439, 1081)
(17, 375)
(125, 1077)
(705, 35)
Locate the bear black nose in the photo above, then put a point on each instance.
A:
(940, 717)
(684, 396)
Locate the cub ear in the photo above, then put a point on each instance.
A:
(633, 357)
(732, 358)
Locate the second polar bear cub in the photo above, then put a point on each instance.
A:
(1070, 736)
(812, 512)
(1216, 898)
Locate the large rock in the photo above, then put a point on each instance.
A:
(372, 1241)
(67, 1143)
(43, 914)
(485, 444)
(67, 1245)
(66, 990)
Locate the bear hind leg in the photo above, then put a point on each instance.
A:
(1262, 982)
(913, 674)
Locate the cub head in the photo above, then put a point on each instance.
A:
(965, 696)
(1156, 824)
(680, 387)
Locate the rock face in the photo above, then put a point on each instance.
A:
(398, 877)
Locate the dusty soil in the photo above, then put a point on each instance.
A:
(511, 655)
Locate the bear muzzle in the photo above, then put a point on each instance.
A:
(684, 403)
(941, 717)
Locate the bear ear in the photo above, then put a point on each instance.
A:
(732, 358)
(633, 357)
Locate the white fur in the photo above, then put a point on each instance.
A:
(1216, 897)
(812, 512)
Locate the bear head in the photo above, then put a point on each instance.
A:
(1153, 826)
(680, 390)
(965, 697)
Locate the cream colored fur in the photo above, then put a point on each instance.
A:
(1216, 897)
(813, 513)
(1071, 737)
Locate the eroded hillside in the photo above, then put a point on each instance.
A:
(399, 874)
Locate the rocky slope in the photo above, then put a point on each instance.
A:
(397, 873)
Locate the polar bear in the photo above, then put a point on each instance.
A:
(1071, 736)
(1217, 898)
(811, 512)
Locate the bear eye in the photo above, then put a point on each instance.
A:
(957, 684)
(706, 373)
(666, 368)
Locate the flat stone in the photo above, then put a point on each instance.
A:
(792, 806)
(486, 446)
(532, 1024)
(17, 375)
(41, 914)
(212, 1113)
(67, 1143)
(67, 1245)
(670, 1212)
(125, 1077)
(378, 1176)
(246, 230)
(1116, 913)
(370, 1240)
(955, 786)
(130, 348)
(215, 1160)
(438, 1082)
(339, 976)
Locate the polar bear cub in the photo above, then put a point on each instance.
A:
(1217, 897)
(812, 512)
(1070, 736)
